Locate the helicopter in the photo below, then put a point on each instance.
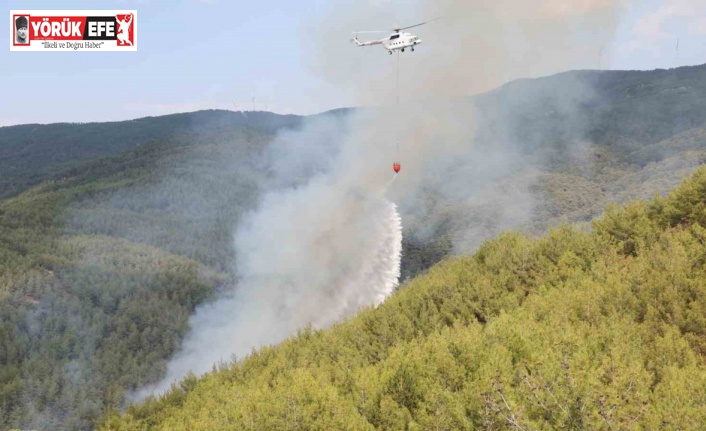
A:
(396, 41)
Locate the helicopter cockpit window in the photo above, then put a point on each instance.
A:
(394, 36)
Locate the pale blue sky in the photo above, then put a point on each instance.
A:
(211, 54)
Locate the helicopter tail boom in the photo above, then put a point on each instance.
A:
(368, 43)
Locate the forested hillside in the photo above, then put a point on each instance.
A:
(579, 140)
(111, 234)
(33, 153)
(100, 271)
(574, 330)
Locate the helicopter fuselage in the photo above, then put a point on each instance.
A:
(400, 41)
(396, 41)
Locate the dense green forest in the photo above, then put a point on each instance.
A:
(111, 234)
(84, 315)
(32, 153)
(607, 136)
(574, 330)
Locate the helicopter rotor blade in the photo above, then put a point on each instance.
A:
(417, 25)
(371, 31)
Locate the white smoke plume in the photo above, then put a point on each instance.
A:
(476, 46)
(322, 244)
(320, 280)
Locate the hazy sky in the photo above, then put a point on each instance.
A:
(220, 54)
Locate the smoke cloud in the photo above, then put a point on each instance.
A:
(315, 274)
(476, 46)
(323, 242)
(463, 160)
